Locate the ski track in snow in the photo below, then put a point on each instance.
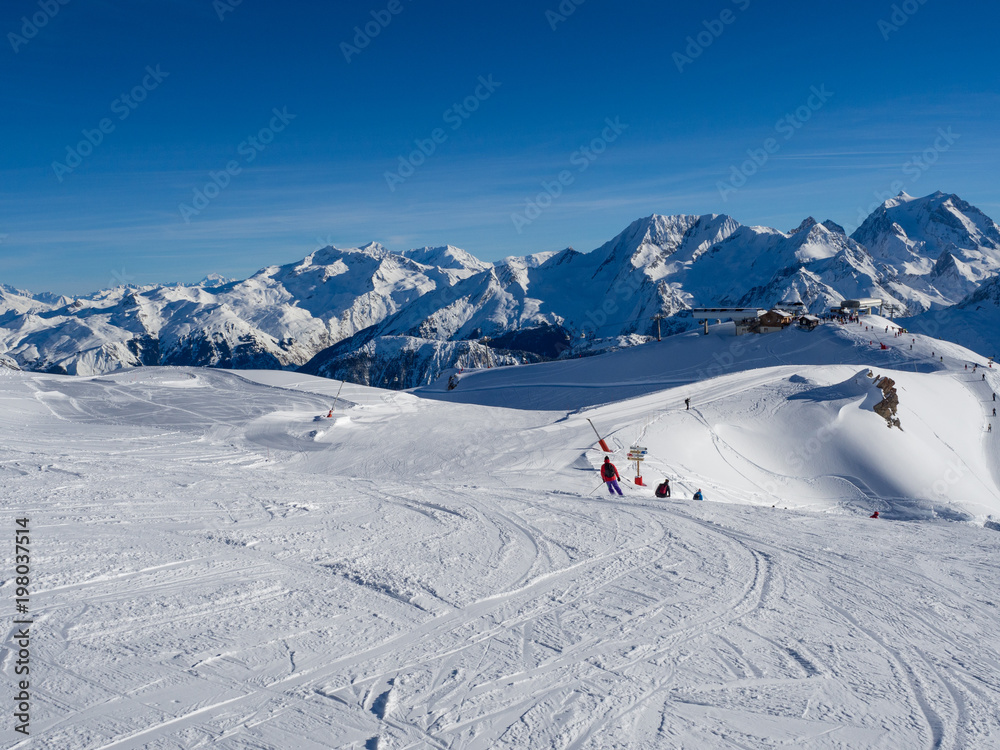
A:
(210, 571)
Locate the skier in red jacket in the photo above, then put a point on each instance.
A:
(610, 476)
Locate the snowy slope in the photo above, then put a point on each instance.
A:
(216, 564)
(973, 322)
(692, 357)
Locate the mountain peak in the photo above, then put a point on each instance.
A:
(807, 223)
(329, 255)
(215, 279)
(447, 256)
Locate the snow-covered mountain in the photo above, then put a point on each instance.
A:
(934, 250)
(371, 314)
(18, 301)
(279, 317)
(659, 266)
(816, 264)
(400, 362)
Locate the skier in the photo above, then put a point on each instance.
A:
(687, 403)
(663, 489)
(698, 496)
(874, 515)
(610, 476)
(994, 411)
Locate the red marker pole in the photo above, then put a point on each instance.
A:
(604, 446)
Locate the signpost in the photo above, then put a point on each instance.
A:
(637, 453)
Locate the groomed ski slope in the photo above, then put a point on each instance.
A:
(693, 357)
(214, 566)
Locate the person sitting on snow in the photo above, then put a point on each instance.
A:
(698, 496)
(610, 476)
(663, 490)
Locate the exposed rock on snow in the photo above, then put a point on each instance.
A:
(886, 408)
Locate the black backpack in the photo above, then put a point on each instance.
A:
(607, 472)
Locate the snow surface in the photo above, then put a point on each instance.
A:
(217, 564)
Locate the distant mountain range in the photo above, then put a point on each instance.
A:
(398, 319)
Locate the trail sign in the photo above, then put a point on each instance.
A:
(637, 453)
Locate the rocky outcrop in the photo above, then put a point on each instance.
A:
(886, 408)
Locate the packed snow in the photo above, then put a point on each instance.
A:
(267, 559)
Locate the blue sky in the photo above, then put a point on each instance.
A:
(527, 162)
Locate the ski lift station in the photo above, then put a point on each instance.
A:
(864, 306)
(759, 320)
(744, 317)
(719, 314)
